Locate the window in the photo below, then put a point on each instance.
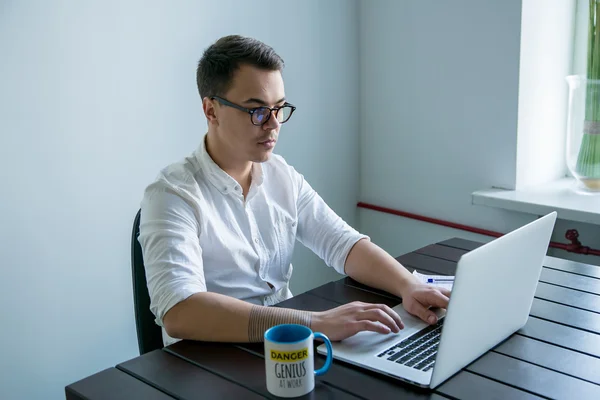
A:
(553, 46)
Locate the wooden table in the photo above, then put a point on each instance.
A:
(556, 355)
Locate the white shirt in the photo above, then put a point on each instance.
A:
(198, 234)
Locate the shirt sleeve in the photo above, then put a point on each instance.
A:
(171, 250)
(321, 229)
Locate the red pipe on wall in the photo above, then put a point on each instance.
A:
(572, 234)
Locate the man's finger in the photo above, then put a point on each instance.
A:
(445, 292)
(426, 299)
(432, 298)
(390, 312)
(419, 310)
(378, 315)
(366, 325)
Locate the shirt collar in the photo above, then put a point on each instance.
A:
(221, 179)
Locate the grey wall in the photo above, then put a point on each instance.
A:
(439, 94)
(95, 98)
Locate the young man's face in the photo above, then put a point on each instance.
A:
(251, 87)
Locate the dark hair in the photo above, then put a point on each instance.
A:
(224, 57)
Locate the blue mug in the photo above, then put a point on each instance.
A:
(289, 359)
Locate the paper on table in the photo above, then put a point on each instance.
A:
(445, 281)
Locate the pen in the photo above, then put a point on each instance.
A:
(431, 280)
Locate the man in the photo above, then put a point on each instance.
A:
(218, 228)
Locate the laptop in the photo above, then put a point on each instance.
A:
(491, 299)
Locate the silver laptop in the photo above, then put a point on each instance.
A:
(491, 299)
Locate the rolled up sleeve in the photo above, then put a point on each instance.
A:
(171, 250)
(322, 230)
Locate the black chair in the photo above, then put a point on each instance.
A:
(149, 334)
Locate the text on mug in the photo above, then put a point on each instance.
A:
(289, 356)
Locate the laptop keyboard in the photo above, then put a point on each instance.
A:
(417, 351)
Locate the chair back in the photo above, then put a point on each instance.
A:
(149, 334)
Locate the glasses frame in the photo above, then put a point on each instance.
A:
(251, 111)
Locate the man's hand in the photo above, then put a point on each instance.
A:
(370, 265)
(344, 321)
(418, 298)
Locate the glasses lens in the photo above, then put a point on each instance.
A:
(284, 114)
(260, 115)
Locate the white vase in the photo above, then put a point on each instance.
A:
(583, 132)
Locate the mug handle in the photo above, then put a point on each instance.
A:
(329, 359)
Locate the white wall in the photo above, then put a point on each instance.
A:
(95, 98)
(440, 101)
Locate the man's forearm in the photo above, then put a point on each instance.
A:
(218, 318)
(369, 264)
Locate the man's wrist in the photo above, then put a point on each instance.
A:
(262, 318)
(315, 321)
(406, 285)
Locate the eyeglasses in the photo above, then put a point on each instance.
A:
(260, 115)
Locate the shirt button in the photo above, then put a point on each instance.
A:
(256, 240)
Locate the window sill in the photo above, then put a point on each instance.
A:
(555, 196)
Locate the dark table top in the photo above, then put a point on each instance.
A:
(556, 355)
